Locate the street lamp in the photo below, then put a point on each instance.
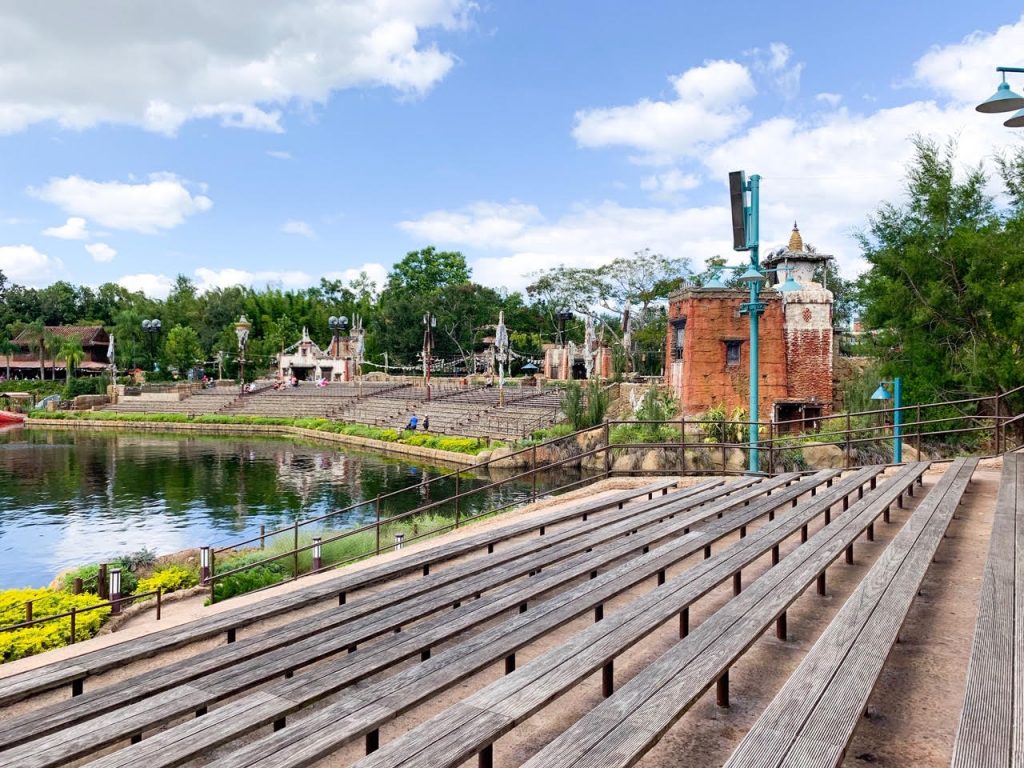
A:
(242, 332)
(429, 324)
(337, 325)
(564, 315)
(1005, 100)
(882, 394)
(151, 329)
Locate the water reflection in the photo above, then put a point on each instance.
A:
(68, 498)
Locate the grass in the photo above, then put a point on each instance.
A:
(467, 445)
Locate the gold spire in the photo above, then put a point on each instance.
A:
(796, 243)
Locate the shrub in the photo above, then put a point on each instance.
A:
(89, 574)
(246, 581)
(169, 579)
(82, 386)
(584, 411)
(16, 644)
(719, 429)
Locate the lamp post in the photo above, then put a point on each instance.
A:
(746, 237)
(242, 332)
(564, 316)
(882, 394)
(1005, 100)
(151, 328)
(115, 591)
(337, 325)
(429, 324)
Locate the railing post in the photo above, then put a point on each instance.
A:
(995, 424)
(377, 514)
(101, 582)
(263, 536)
(295, 551)
(159, 593)
(73, 627)
(918, 417)
(682, 442)
(457, 500)
(607, 450)
(771, 447)
(28, 611)
(848, 422)
(533, 474)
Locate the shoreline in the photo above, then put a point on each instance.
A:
(460, 460)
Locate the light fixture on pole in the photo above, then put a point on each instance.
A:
(152, 329)
(115, 591)
(882, 394)
(429, 324)
(317, 553)
(1005, 100)
(204, 565)
(746, 237)
(242, 332)
(337, 325)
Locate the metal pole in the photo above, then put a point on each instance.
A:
(377, 511)
(918, 417)
(295, 558)
(456, 501)
(897, 420)
(753, 237)
(995, 424)
(847, 440)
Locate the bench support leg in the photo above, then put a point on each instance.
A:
(279, 725)
(201, 711)
(341, 598)
(372, 741)
(707, 551)
(522, 607)
(231, 635)
(661, 577)
(871, 531)
(821, 584)
(780, 626)
(425, 654)
(899, 501)
(775, 555)
(737, 583)
(136, 738)
(608, 679)
(743, 531)
(828, 515)
(510, 664)
(803, 535)
(593, 574)
(722, 690)
(684, 622)
(846, 503)
(771, 515)
(77, 686)
(598, 612)
(426, 569)
(542, 530)
(849, 555)
(885, 514)
(485, 757)
(490, 549)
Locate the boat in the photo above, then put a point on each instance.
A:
(9, 417)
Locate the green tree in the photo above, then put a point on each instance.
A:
(182, 348)
(944, 291)
(7, 349)
(71, 352)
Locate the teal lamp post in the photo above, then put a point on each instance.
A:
(1005, 100)
(882, 394)
(746, 237)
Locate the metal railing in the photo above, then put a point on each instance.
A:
(596, 449)
(75, 612)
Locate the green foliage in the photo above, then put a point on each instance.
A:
(258, 577)
(129, 564)
(584, 408)
(169, 579)
(470, 445)
(721, 427)
(182, 348)
(19, 643)
(944, 291)
(550, 433)
(79, 386)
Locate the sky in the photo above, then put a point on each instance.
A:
(256, 142)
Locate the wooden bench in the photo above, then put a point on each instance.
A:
(75, 670)
(991, 728)
(813, 717)
(273, 704)
(679, 677)
(366, 708)
(229, 669)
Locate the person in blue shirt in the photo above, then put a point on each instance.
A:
(412, 423)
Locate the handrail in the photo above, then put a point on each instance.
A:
(75, 612)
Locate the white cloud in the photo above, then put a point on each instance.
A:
(965, 71)
(670, 183)
(101, 252)
(708, 106)
(154, 286)
(586, 237)
(162, 203)
(774, 64)
(236, 61)
(24, 265)
(225, 278)
(378, 273)
(297, 227)
(832, 99)
(73, 229)
(279, 154)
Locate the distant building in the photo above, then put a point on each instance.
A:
(707, 352)
(308, 362)
(24, 363)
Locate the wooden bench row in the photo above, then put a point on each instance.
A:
(74, 671)
(671, 684)
(991, 728)
(448, 667)
(226, 670)
(812, 719)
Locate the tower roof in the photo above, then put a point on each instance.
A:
(796, 242)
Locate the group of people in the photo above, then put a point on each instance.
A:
(414, 421)
(282, 383)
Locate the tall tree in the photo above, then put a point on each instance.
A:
(182, 348)
(7, 349)
(944, 291)
(71, 352)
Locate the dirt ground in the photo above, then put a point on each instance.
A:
(913, 711)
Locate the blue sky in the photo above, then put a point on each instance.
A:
(261, 142)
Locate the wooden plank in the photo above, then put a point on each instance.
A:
(32, 682)
(985, 734)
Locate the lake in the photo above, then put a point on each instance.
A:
(68, 498)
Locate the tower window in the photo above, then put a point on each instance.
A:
(732, 352)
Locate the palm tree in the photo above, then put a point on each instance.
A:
(36, 335)
(7, 349)
(71, 352)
